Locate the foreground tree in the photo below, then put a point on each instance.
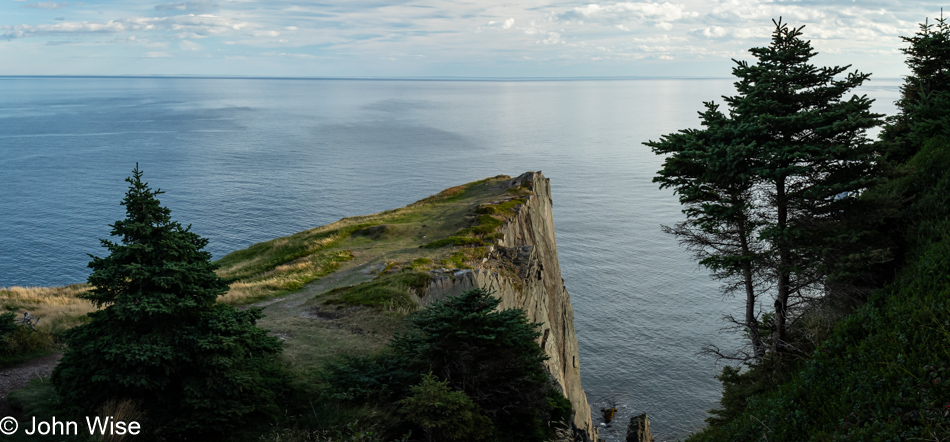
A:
(925, 95)
(462, 371)
(491, 356)
(193, 366)
(709, 172)
(777, 172)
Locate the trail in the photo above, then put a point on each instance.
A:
(16, 377)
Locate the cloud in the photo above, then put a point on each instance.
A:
(189, 6)
(186, 45)
(182, 26)
(721, 33)
(620, 13)
(45, 5)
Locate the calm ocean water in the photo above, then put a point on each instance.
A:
(247, 160)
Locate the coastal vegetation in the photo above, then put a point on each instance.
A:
(787, 201)
(839, 244)
(160, 341)
(52, 310)
(181, 344)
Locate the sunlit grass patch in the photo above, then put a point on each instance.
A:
(285, 278)
(397, 292)
(58, 308)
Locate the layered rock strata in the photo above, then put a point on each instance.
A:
(523, 270)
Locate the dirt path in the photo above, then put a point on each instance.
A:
(16, 377)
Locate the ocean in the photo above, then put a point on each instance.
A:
(247, 160)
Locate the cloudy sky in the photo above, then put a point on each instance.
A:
(421, 38)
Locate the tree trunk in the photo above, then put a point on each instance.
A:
(784, 256)
(751, 322)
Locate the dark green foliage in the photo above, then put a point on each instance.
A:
(444, 414)
(765, 187)
(925, 95)
(381, 378)
(883, 373)
(194, 366)
(490, 356)
(19, 342)
(7, 324)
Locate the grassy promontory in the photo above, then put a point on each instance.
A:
(331, 294)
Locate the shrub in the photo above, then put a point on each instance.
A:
(490, 356)
(444, 414)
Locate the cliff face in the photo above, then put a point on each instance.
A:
(523, 271)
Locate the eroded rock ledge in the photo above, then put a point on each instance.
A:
(523, 270)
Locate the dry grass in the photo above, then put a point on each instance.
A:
(57, 307)
(124, 410)
(286, 264)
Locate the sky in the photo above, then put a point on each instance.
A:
(441, 38)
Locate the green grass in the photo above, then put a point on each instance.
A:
(39, 399)
(884, 373)
(394, 291)
(453, 241)
(501, 208)
(287, 264)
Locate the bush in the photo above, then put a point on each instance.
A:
(490, 356)
(444, 414)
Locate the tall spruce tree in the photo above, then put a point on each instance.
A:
(925, 95)
(193, 366)
(812, 156)
(710, 173)
(787, 160)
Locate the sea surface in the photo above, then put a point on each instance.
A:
(247, 160)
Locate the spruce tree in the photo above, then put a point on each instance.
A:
(710, 173)
(160, 339)
(788, 161)
(812, 157)
(493, 357)
(925, 95)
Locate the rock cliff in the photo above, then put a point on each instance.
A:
(523, 270)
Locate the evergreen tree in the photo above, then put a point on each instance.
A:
(789, 158)
(493, 357)
(160, 339)
(812, 157)
(710, 173)
(925, 95)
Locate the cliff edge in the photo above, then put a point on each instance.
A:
(524, 271)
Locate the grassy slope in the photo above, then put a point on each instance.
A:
(358, 305)
(336, 289)
(884, 373)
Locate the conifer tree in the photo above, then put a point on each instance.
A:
(925, 95)
(811, 157)
(710, 173)
(787, 160)
(193, 366)
(493, 357)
